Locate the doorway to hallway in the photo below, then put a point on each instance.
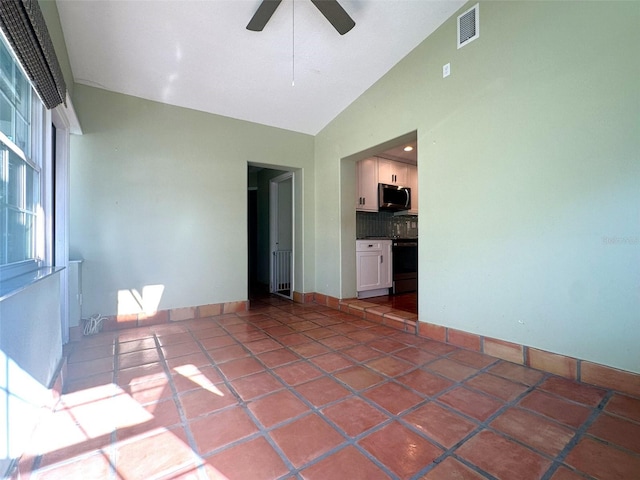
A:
(281, 234)
(271, 225)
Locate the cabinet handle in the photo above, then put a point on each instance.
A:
(381, 258)
(370, 246)
(364, 200)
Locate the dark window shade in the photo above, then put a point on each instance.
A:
(24, 27)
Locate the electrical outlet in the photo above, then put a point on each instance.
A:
(446, 70)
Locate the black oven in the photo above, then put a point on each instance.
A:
(405, 265)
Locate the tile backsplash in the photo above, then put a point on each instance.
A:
(385, 224)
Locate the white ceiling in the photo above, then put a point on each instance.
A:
(199, 55)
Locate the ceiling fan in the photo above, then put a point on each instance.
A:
(331, 9)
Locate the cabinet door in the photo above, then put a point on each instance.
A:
(391, 172)
(374, 269)
(412, 183)
(368, 271)
(367, 183)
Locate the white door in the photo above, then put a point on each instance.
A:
(281, 234)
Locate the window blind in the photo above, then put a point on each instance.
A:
(24, 27)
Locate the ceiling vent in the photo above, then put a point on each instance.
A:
(469, 26)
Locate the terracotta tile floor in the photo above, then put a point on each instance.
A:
(288, 391)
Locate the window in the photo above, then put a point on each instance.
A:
(21, 147)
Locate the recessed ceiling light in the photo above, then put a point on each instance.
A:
(408, 148)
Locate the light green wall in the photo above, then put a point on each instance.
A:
(529, 164)
(158, 197)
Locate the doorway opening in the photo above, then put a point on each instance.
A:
(270, 232)
(281, 235)
(394, 164)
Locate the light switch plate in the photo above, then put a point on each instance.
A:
(446, 70)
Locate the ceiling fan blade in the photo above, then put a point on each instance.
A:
(262, 15)
(336, 15)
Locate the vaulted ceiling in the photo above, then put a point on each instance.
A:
(297, 74)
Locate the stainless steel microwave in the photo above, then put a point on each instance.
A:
(393, 197)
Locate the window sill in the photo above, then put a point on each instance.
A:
(15, 285)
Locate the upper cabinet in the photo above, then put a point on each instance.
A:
(367, 191)
(374, 170)
(392, 173)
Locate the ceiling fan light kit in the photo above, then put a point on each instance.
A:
(331, 9)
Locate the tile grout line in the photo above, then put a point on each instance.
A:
(483, 425)
(213, 363)
(112, 449)
(318, 411)
(196, 458)
(262, 432)
(108, 452)
(579, 435)
(388, 378)
(556, 462)
(391, 417)
(359, 394)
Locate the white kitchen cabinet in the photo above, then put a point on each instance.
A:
(367, 183)
(373, 267)
(412, 183)
(392, 172)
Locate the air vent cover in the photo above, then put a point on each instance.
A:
(469, 26)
